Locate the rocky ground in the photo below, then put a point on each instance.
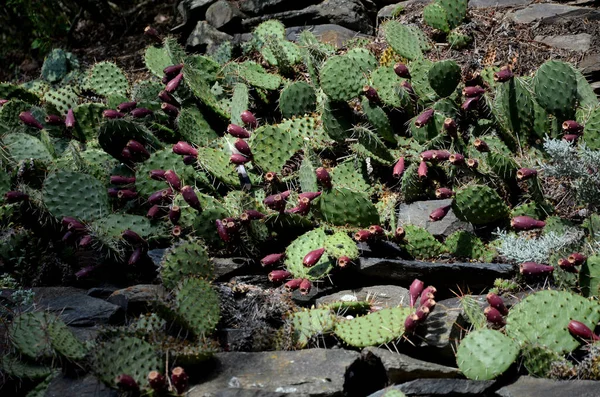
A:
(522, 33)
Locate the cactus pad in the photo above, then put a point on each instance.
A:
(187, 259)
(106, 78)
(402, 39)
(479, 204)
(419, 243)
(342, 78)
(444, 77)
(374, 329)
(346, 207)
(308, 324)
(198, 305)
(297, 99)
(272, 147)
(485, 354)
(555, 87)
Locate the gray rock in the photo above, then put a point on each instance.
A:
(224, 15)
(138, 297)
(472, 275)
(78, 309)
(225, 267)
(191, 11)
(260, 7)
(417, 214)
(443, 387)
(387, 11)
(590, 64)
(328, 33)
(101, 292)
(382, 295)
(89, 386)
(498, 3)
(156, 255)
(401, 368)
(310, 372)
(248, 393)
(549, 13)
(206, 38)
(574, 42)
(526, 386)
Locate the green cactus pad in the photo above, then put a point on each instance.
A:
(62, 99)
(387, 83)
(473, 312)
(24, 147)
(456, 11)
(16, 368)
(156, 60)
(444, 77)
(216, 163)
(538, 360)
(126, 355)
(351, 174)
(342, 78)
(412, 186)
(239, 103)
(543, 317)
(369, 145)
(272, 147)
(114, 135)
(63, 340)
(515, 102)
(297, 99)
(113, 225)
(419, 70)
(29, 334)
(374, 329)
(591, 131)
(378, 119)
(462, 244)
(421, 244)
(105, 78)
(11, 91)
(337, 120)
(346, 207)
(458, 40)
(67, 193)
(485, 354)
(55, 66)
(88, 118)
(256, 76)
(270, 28)
(198, 305)
(306, 172)
(479, 205)
(555, 87)
(402, 39)
(187, 259)
(308, 324)
(295, 252)
(161, 160)
(435, 16)
(589, 277)
(194, 128)
(340, 244)
(363, 57)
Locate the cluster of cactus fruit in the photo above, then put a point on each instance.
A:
(210, 158)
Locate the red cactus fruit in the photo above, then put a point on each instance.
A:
(173, 180)
(414, 291)
(238, 159)
(3, 102)
(473, 91)
(53, 119)
(408, 87)
(243, 147)
(68, 237)
(139, 113)
(310, 195)
(473, 163)
(576, 258)
(166, 97)
(184, 149)
(470, 104)
(422, 170)
(450, 127)
(15, 197)
(399, 233)
(173, 70)
(494, 316)
(136, 256)
(456, 159)
(121, 180)
(441, 155)
(427, 155)
(535, 269)
(85, 241)
(127, 383)
(277, 201)
(237, 131)
(277, 276)
(161, 196)
(429, 303)
(132, 237)
(343, 261)
(169, 109)
(151, 32)
(190, 197)
(157, 175)
(248, 119)
(580, 330)
(189, 160)
(564, 264)
(293, 284)
(526, 173)
(28, 119)
(362, 235)
(524, 222)
(496, 302)
(323, 177)
(126, 107)
(439, 213)
(112, 114)
(570, 137)
(222, 231)
(232, 225)
(174, 83)
(398, 168)
(401, 70)
(422, 313)
(179, 379)
(481, 145)
(70, 119)
(271, 177)
(313, 257)
(66, 220)
(127, 194)
(376, 231)
(443, 193)
(154, 212)
(251, 215)
(176, 231)
(271, 259)
(411, 323)
(371, 94)
(86, 271)
(112, 192)
(426, 293)
(305, 287)
(424, 118)
(157, 381)
(137, 149)
(503, 75)
(572, 127)
(174, 214)
(302, 208)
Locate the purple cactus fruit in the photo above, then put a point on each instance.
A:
(126, 107)
(112, 114)
(237, 131)
(503, 75)
(371, 94)
(422, 313)
(441, 155)
(113, 192)
(127, 194)
(76, 226)
(176, 231)
(248, 119)
(427, 155)
(362, 235)
(179, 379)
(572, 127)
(494, 316)
(166, 97)
(151, 32)
(169, 109)
(121, 180)
(173, 70)
(422, 170)
(323, 177)
(443, 193)
(15, 197)
(343, 261)
(271, 259)
(157, 381)
(401, 70)
(139, 113)
(302, 208)
(473, 163)
(481, 146)
(136, 256)
(408, 87)
(456, 159)
(70, 119)
(85, 241)
(293, 285)
(126, 154)
(53, 119)
(411, 323)
(184, 149)
(526, 173)
(470, 104)
(313, 257)
(132, 237)
(305, 287)
(277, 201)
(154, 212)
(580, 330)
(414, 291)
(398, 168)
(68, 237)
(127, 383)
(175, 214)
(86, 271)
(251, 215)
(309, 195)
(535, 269)
(399, 233)
(577, 259)
(277, 276)
(28, 119)
(427, 291)
(173, 180)
(222, 231)
(243, 147)
(190, 197)
(473, 91)
(3, 102)
(189, 160)
(376, 231)
(570, 137)
(450, 127)
(174, 83)
(271, 177)
(238, 159)
(496, 302)
(524, 222)
(232, 225)
(161, 196)
(429, 304)
(157, 175)
(567, 266)
(424, 118)
(439, 213)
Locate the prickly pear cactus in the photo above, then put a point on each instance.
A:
(479, 205)
(373, 329)
(198, 305)
(187, 259)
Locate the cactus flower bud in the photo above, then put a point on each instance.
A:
(494, 316)
(184, 149)
(277, 276)
(248, 119)
(439, 213)
(313, 257)
(398, 168)
(424, 118)
(524, 222)
(535, 269)
(401, 70)
(271, 259)
(415, 290)
(237, 131)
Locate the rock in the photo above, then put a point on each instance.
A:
(101, 292)
(226, 267)
(328, 33)
(389, 10)
(317, 290)
(137, 298)
(261, 7)
(590, 64)
(89, 386)
(206, 38)
(527, 386)
(248, 393)
(382, 295)
(417, 214)
(498, 3)
(156, 255)
(76, 308)
(453, 275)
(550, 13)
(401, 368)
(310, 372)
(574, 42)
(224, 15)
(190, 12)
(443, 387)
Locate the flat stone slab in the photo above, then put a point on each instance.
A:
(498, 3)
(417, 214)
(552, 12)
(528, 386)
(442, 387)
(574, 42)
(382, 295)
(89, 386)
(310, 372)
(137, 297)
